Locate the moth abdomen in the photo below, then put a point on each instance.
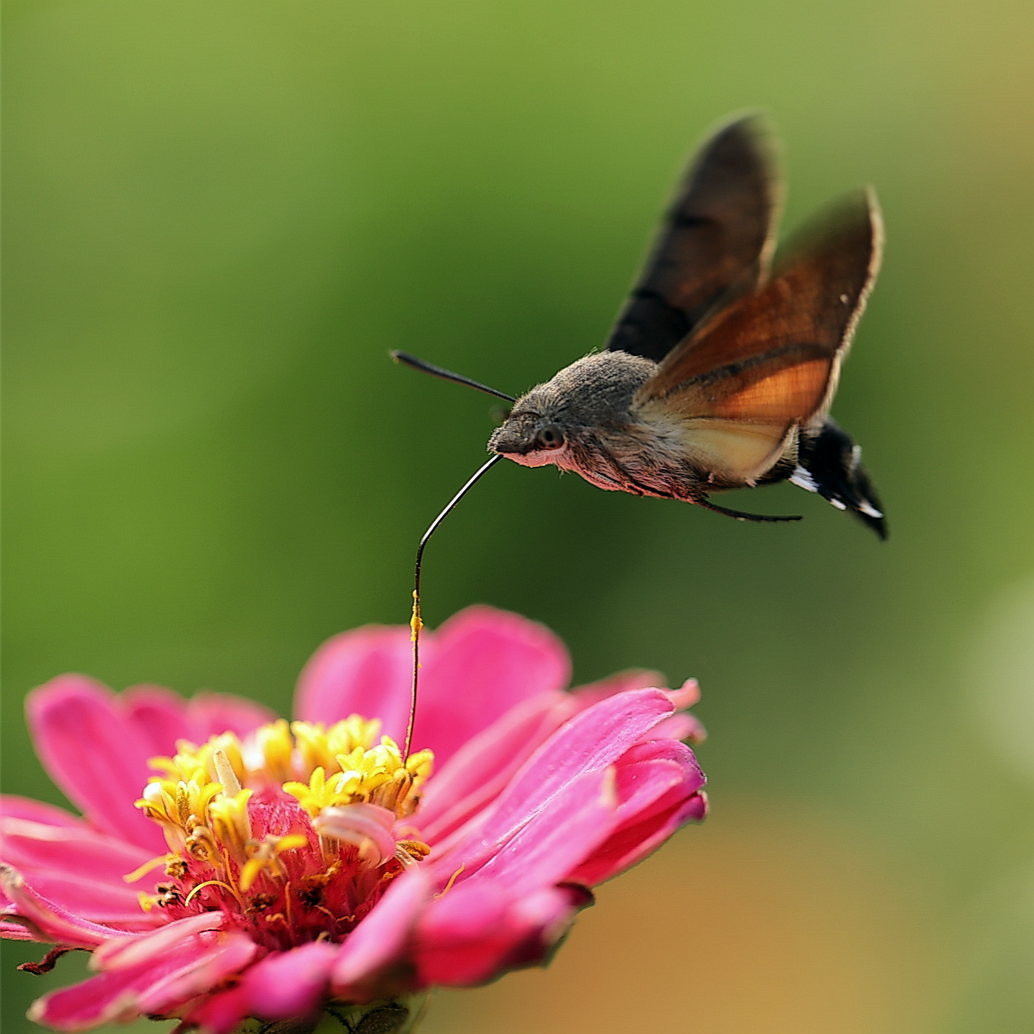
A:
(830, 463)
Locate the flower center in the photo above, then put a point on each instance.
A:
(295, 832)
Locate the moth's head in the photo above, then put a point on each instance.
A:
(570, 411)
(536, 433)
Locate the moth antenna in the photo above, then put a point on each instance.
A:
(446, 375)
(415, 623)
(760, 518)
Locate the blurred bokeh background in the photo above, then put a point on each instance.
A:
(219, 219)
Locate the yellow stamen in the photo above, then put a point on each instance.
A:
(275, 746)
(230, 822)
(211, 883)
(452, 880)
(266, 856)
(136, 874)
(202, 798)
(224, 773)
(409, 852)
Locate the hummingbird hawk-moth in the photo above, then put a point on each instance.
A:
(720, 369)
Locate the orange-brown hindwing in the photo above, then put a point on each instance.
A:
(804, 316)
(770, 361)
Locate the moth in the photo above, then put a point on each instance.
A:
(721, 368)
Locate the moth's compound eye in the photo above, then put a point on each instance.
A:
(549, 437)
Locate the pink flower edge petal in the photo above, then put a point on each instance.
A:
(471, 937)
(73, 849)
(364, 671)
(214, 958)
(48, 921)
(216, 713)
(92, 751)
(15, 807)
(289, 984)
(589, 742)
(95, 901)
(483, 766)
(219, 1013)
(129, 952)
(554, 842)
(491, 660)
(637, 840)
(380, 939)
(152, 987)
(159, 718)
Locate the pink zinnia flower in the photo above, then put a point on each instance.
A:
(277, 870)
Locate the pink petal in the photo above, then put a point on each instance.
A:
(96, 902)
(50, 921)
(481, 768)
(366, 671)
(159, 717)
(212, 961)
(216, 713)
(73, 865)
(162, 717)
(474, 933)
(544, 851)
(107, 998)
(34, 846)
(658, 785)
(93, 753)
(379, 940)
(219, 1013)
(289, 984)
(129, 952)
(152, 987)
(476, 667)
(681, 726)
(686, 695)
(622, 682)
(631, 844)
(647, 771)
(590, 742)
(364, 825)
(11, 931)
(486, 661)
(12, 806)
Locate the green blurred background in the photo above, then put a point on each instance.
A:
(219, 219)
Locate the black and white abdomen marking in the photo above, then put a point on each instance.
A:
(829, 462)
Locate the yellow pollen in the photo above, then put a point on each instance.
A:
(416, 625)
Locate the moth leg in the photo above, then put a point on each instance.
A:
(760, 518)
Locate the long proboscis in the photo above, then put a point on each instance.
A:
(447, 375)
(415, 622)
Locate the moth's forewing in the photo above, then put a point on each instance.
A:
(776, 387)
(769, 362)
(714, 245)
(814, 299)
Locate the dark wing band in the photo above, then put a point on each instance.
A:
(714, 245)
